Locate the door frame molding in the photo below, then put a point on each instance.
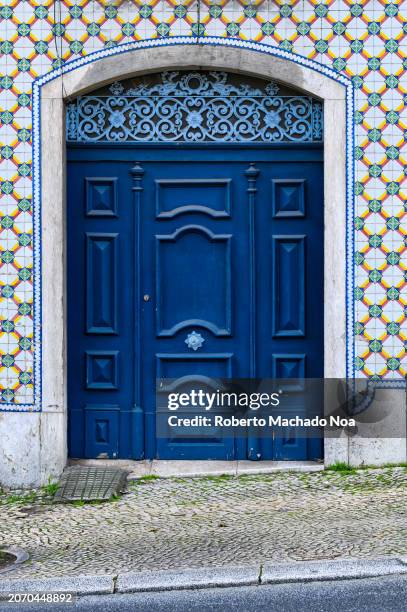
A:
(50, 93)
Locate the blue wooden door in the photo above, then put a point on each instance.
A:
(220, 244)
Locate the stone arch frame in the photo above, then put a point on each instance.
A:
(50, 93)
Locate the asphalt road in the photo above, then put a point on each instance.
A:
(385, 594)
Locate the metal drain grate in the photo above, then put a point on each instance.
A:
(90, 483)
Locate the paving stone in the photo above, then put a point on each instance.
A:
(187, 523)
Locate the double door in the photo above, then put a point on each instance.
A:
(189, 264)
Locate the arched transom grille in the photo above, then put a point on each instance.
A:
(195, 107)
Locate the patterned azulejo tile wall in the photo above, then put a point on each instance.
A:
(364, 40)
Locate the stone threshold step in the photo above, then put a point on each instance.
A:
(189, 469)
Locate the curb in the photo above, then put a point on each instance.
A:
(200, 578)
(340, 569)
(78, 585)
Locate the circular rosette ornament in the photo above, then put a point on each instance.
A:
(194, 341)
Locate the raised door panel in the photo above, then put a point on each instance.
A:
(101, 196)
(207, 196)
(180, 373)
(193, 281)
(288, 273)
(102, 431)
(289, 445)
(101, 283)
(288, 365)
(102, 370)
(288, 198)
(178, 366)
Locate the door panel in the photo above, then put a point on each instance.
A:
(102, 431)
(101, 283)
(290, 237)
(102, 369)
(100, 287)
(288, 296)
(185, 298)
(288, 199)
(179, 196)
(101, 196)
(193, 243)
(155, 260)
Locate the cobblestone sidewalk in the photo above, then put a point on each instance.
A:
(184, 523)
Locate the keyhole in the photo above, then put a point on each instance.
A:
(146, 297)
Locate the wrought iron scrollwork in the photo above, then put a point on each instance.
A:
(194, 107)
